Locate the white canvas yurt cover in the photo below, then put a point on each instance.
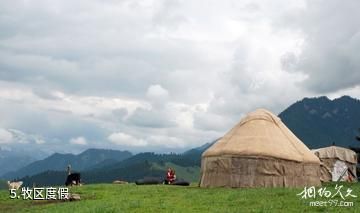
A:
(334, 160)
(260, 151)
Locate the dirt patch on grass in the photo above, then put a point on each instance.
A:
(45, 202)
(7, 208)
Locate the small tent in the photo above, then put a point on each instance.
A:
(260, 151)
(337, 163)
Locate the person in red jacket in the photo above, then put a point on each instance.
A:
(170, 176)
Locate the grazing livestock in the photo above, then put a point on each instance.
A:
(73, 179)
(14, 185)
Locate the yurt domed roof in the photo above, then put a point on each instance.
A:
(261, 134)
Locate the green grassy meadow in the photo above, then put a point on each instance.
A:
(165, 198)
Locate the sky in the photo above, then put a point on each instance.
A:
(164, 75)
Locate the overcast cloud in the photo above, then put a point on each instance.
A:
(164, 75)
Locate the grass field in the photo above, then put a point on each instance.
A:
(164, 198)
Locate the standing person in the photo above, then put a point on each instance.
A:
(69, 169)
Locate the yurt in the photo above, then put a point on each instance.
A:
(337, 164)
(260, 151)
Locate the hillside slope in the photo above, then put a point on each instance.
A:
(59, 162)
(18, 160)
(187, 166)
(320, 122)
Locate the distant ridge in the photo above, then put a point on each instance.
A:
(187, 165)
(17, 158)
(59, 162)
(320, 122)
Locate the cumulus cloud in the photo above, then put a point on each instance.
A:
(15, 136)
(5, 136)
(160, 142)
(179, 75)
(78, 141)
(157, 95)
(151, 118)
(211, 121)
(166, 141)
(120, 138)
(331, 43)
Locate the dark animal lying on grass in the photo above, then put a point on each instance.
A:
(73, 179)
(178, 182)
(155, 180)
(149, 181)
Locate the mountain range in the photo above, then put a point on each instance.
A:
(321, 122)
(318, 122)
(91, 158)
(187, 166)
(17, 158)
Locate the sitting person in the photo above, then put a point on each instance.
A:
(170, 176)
